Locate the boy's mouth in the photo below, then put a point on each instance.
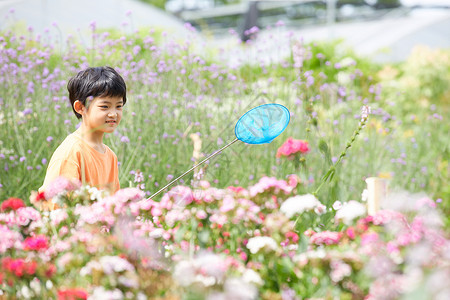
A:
(111, 122)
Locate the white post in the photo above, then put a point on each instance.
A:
(377, 188)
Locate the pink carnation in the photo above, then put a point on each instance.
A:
(292, 146)
(36, 243)
(8, 238)
(326, 238)
(266, 183)
(60, 185)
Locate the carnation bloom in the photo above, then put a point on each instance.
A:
(12, 204)
(299, 204)
(36, 243)
(72, 294)
(60, 185)
(19, 267)
(292, 146)
(266, 183)
(326, 238)
(261, 242)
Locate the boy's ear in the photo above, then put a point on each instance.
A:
(78, 107)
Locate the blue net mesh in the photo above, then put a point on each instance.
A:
(262, 124)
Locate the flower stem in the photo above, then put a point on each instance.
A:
(330, 173)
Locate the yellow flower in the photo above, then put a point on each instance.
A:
(408, 133)
(385, 175)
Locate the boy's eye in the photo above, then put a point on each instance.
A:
(119, 106)
(103, 106)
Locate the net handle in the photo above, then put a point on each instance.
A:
(192, 168)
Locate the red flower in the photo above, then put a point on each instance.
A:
(40, 197)
(51, 270)
(72, 294)
(12, 204)
(292, 146)
(19, 267)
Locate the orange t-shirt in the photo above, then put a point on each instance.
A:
(100, 169)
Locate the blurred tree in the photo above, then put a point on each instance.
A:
(158, 3)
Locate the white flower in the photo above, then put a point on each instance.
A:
(239, 290)
(365, 195)
(101, 293)
(49, 284)
(251, 276)
(259, 242)
(365, 112)
(350, 211)
(35, 285)
(347, 61)
(117, 264)
(337, 205)
(320, 209)
(128, 282)
(26, 292)
(206, 268)
(184, 273)
(86, 270)
(299, 204)
(57, 216)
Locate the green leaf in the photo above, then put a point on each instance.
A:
(323, 147)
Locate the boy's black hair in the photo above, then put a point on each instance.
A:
(96, 82)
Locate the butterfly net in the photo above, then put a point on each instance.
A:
(262, 124)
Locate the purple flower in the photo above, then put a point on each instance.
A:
(49, 139)
(124, 139)
(27, 111)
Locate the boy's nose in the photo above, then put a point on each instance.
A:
(112, 114)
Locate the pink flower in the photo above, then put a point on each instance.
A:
(293, 180)
(36, 243)
(26, 214)
(369, 238)
(181, 195)
(228, 204)
(132, 194)
(60, 185)
(201, 214)
(8, 238)
(351, 233)
(326, 238)
(292, 146)
(292, 236)
(384, 217)
(266, 183)
(425, 201)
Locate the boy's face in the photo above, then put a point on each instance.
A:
(103, 114)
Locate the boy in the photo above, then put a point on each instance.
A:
(97, 96)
